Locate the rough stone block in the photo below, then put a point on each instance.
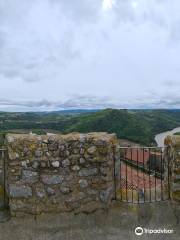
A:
(176, 187)
(64, 189)
(106, 195)
(55, 164)
(82, 160)
(35, 165)
(76, 168)
(20, 191)
(92, 150)
(30, 176)
(66, 163)
(40, 191)
(177, 178)
(88, 172)
(50, 191)
(52, 179)
(176, 196)
(83, 183)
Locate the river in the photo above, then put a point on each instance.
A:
(159, 138)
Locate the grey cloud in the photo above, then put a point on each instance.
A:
(168, 100)
(86, 102)
(153, 99)
(171, 83)
(174, 32)
(81, 10)
(124, 11)
(29, 104)
(160, 13)
(27, 48)
(38, 44)
(74, 102)
(72, 47)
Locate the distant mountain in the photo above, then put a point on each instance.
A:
(76, 111)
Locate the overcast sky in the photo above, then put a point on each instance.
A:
(61, 54)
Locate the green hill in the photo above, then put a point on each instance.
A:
(136, 125)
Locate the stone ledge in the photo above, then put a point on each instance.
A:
(173, 141)
(99, 137)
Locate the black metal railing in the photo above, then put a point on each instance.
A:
(139, 174)
(3, 167)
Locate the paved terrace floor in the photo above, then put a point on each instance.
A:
(116, 224)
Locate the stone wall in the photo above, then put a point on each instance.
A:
(59, 173)
(173, 154)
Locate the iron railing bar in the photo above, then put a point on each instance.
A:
(132, 184)
(161, 168)
(149, 176)
(143, 178)
(126, 181)
(120, 175)
(168, 154)
(155, 174)
(114, 159)
(137, 152)
(4, 183)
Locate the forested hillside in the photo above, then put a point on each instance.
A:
(135, 125)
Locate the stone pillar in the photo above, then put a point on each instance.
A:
(60, 173)
(173, 144)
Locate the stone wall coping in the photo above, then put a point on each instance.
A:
(103, 136)
(173, 141)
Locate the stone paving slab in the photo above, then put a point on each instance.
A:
(116, 224)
